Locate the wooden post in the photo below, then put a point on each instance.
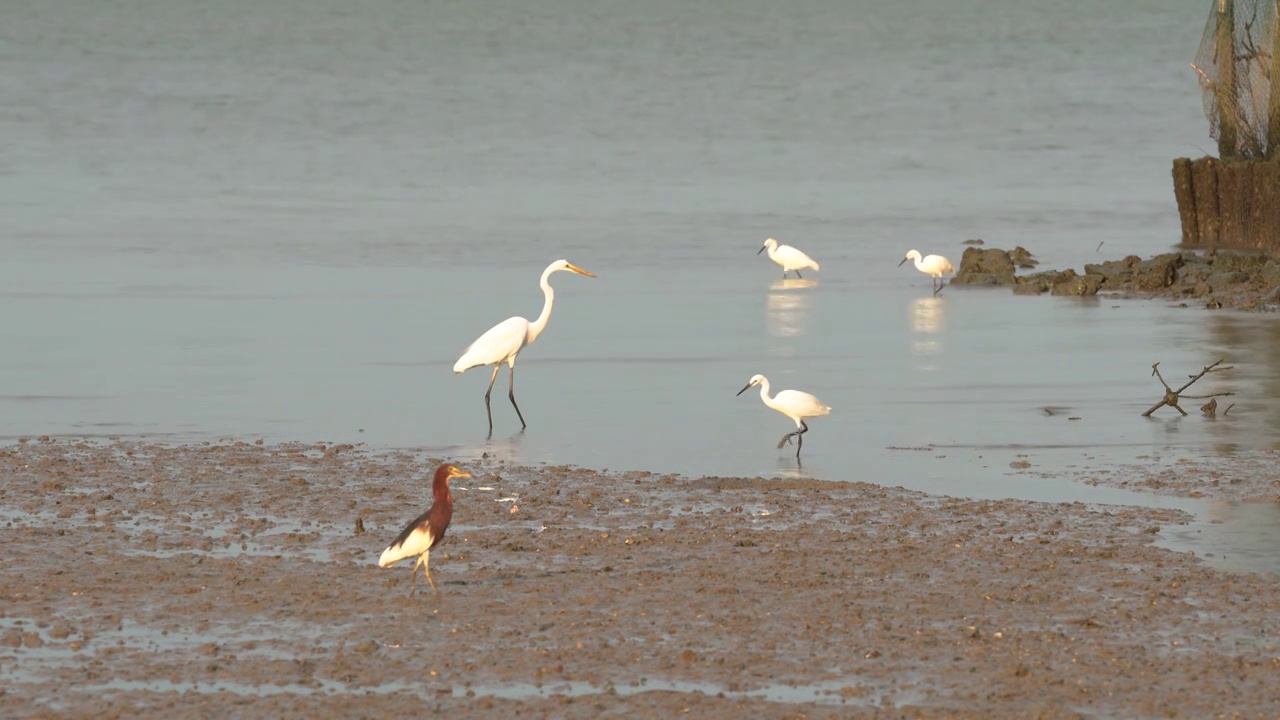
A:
(1253, 196)
(1185, 194)
(1266, 232)
(1225, 87)
(1204, 184)
(1233, 202)
(1273, 112)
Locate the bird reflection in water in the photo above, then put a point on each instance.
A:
(788, 307)
(927, 318)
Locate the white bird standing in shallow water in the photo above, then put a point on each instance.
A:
(504, 341)
(794, 404)
(934, 266)
(788, 257)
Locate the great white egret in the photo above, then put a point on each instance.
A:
(426, 530)
(794, 404)
(934, 266)
(788, 257)
(504, 341)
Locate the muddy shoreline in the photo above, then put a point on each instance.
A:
(142, 580)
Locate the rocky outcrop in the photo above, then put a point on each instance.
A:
(1245, 281)
(992, 266)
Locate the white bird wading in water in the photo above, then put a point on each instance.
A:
(934, 266)
(788, 257)
(794, 404)
(504, 341)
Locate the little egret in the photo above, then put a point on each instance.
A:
(504, 341)
(934, 266)
(426, 530)
(788, 257)
(792, 403)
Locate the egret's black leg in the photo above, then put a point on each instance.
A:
(799, 275)
(512, 394)
(800, 438)
(488, 411)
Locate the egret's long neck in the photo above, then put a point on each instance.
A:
(536, 328)
(920, 263)
(764, 393)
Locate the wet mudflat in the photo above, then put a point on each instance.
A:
(140, 579)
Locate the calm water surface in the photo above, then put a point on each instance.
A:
(286, 220)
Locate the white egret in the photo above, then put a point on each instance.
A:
(794, 404)
(934, 266)
(788, 257)
(504, 341)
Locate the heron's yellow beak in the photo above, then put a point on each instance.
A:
(456, 473)
(579, 270)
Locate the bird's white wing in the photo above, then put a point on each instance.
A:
(415, 542)
(497, 345)
(801, 403)
(936, 265)
(794, 258)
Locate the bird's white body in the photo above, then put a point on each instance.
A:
(504, 341)
(788, 257)
(934, 266)
(795, 404)
(418, 542)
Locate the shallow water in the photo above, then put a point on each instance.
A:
(287, 222)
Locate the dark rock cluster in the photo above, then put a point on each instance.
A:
(1219, 279)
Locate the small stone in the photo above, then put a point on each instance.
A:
(1157, 273)
(1270, 273)
(1223, 280)
(1084, 285)
(1023, 258)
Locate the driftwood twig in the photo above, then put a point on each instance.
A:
(1171, 396)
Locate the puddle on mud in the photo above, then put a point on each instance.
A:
(1231, 536)
(184, 536)
(53, 655)
(827, 692)
(831, 692)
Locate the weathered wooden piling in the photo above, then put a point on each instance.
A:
(1229, 203)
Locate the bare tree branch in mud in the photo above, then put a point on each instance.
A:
(1171, 396)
